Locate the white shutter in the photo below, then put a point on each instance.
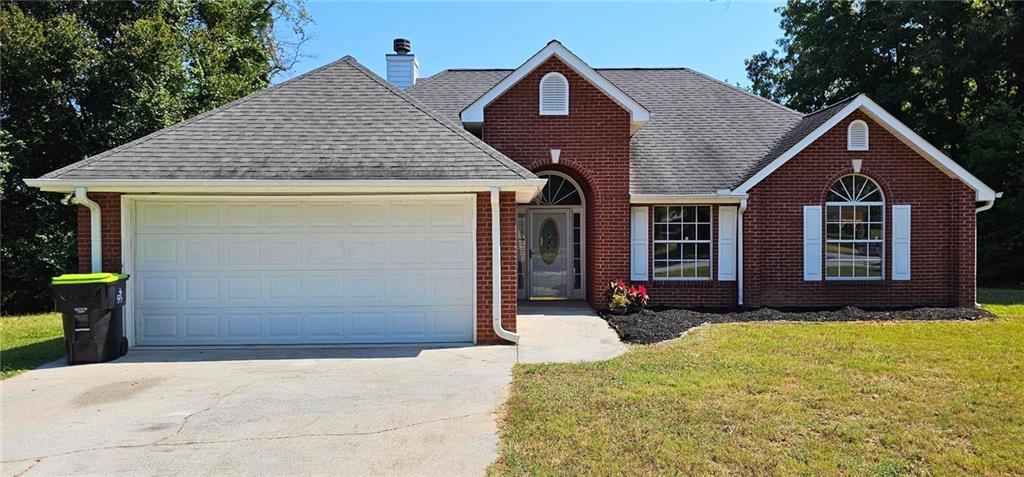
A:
(638, 231)
(727, 244)
(901, 242)
(812, 242)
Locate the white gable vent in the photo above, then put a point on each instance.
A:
(857, 136)
(554, 95)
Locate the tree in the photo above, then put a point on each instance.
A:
(77, 78)
(952, 71)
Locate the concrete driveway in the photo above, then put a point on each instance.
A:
(394, 411)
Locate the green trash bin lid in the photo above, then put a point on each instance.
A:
(84, 278)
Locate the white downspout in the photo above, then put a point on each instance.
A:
(739, 250)
(977, 210)
(496, 267)
(95, 230)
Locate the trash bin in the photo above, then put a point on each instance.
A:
(93, 309)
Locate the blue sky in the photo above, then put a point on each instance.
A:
(711, 37)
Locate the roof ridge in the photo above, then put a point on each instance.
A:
(426, 80)
(741, 90)
(482, 146)
(192, 120)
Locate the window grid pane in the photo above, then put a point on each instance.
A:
(853, 240)
(682, 242)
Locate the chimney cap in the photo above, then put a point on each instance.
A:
(402, 46)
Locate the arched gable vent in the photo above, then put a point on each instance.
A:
(554, 94)
(857, 136)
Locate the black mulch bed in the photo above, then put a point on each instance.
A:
(654, 325)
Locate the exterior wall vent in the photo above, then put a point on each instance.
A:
(857, 136)
(554, 95)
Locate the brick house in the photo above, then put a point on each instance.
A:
(338, 207)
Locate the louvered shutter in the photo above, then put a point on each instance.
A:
(901, 242)
(727, 244)
(638, 244)
(812, 242)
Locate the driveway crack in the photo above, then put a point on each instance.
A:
(161, 442)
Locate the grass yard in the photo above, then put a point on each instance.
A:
(29, 341)
(900, 398)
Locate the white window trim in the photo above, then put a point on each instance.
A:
(540, 95)
(849, 136)
(710, 241)
(881, 241)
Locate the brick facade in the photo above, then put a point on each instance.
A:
(942, 227)
(507, 211)
(110, 217)
(594, 140)
(110, 205)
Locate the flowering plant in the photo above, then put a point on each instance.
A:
(622, 298)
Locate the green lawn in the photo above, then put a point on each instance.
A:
(29, 341)
(920, 398)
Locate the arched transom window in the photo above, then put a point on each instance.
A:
(854, 229)
(558, 191)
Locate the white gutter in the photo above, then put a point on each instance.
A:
(739, 251)
(686, 199)
(525, 189)
(95, 230)
(496, 269)
(988, 203)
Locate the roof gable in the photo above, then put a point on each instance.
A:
(817, 124)
(338, 122)
(474, 113)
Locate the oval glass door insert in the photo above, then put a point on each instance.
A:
(549, 241)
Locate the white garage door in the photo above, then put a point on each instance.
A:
(296, 271)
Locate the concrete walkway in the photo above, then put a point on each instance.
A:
(394, 411)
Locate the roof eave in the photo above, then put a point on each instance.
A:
(525, 189)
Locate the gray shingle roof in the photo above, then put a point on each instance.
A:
(339, 121)
(703, 135)
(807, 124)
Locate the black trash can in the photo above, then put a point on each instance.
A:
(93, 309)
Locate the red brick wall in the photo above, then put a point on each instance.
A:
(110, 216)
(942, 227)
(110, 204)
(594, 140)
(689, 293)
(507, 210)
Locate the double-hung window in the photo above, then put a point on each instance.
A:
(682, 242)
(854, 229)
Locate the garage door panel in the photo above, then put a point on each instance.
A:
(360, 325)
(351, 270)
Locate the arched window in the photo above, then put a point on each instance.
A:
(554, 95)
(558, 191)
(854, 229)
(857, 136)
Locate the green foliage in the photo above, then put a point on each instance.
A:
(27, 342)
(952, 71)
(82, 77)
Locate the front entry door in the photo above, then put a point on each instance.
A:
(549, 251)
